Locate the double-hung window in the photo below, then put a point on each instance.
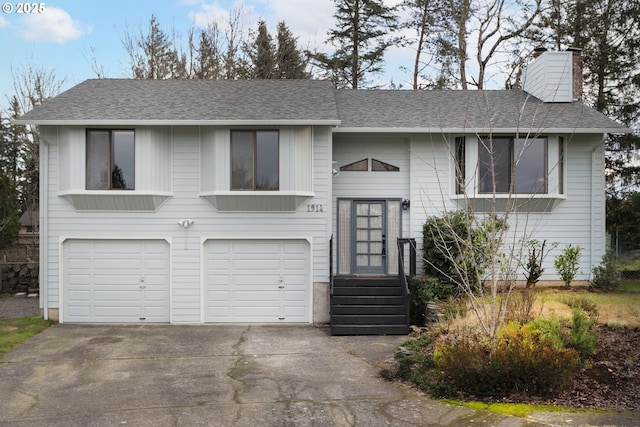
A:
(512, 165)
(110, 159)
(254, 160)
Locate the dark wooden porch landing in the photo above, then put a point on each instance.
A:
(368, 306)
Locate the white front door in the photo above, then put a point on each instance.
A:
(263, 281)
(116, 281)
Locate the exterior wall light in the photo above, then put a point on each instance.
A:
(186, 223)
(406, 204)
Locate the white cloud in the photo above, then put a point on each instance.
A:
(54, 26)
(3, 22)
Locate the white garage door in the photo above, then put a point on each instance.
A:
(257, 281)
(116, 281)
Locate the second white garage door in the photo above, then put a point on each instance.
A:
(263, 281)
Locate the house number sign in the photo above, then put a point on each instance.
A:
(315, 208)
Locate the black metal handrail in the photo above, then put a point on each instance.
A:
(401, 272)
(331, 265)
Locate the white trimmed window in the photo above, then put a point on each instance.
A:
(254, 160)
(110, 159)
(512, 165)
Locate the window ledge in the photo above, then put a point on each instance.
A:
(116, 200)
(512, 202)
(257, 201)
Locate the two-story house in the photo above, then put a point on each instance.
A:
(188, 201)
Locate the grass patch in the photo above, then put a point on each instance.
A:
(16, 331)
(614, 308)
(630, 286)
(521, 410)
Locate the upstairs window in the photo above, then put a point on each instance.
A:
(517, 165)
(254, 160)
(110, 159)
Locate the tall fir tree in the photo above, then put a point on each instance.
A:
(261, 52)
(153, 55)
(364, 30)
(291, 62)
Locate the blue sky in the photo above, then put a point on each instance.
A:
(63, 38)
(65, 35)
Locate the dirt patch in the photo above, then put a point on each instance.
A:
(14, 307)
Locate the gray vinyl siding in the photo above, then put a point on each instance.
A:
(295, 151)
(392, 149)
(152, 166)
(184, 165)
(550, 77)
(578, 219)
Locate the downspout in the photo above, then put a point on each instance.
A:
(592, 210)
(44, 226)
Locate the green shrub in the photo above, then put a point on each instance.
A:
(424, 290)
(606, 276)
(582, 303)
(524, 358)
(416, 366)
(584, 336)
(567, 263)
(461, 359)
(452, 238)
(535, 257)
(555, 329)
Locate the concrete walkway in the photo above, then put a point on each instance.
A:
(232, 375)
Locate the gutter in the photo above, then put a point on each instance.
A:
(475, 131)
(170, 122)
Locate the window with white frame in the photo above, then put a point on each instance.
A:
(512, 164)
(254, 160)
(110, 159)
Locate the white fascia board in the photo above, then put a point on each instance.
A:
(481, 131)
(45, 122)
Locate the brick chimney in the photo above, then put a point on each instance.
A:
(577, 66)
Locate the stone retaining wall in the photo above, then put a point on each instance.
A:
(19, 277)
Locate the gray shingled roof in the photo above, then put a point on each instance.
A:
(127, 101)
(190, 101)
(470, 111)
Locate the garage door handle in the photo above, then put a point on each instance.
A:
(143, 287)
(281, 287)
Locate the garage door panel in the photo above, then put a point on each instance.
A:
(255, 280)
(80, 295)
(116, 281)
(255, 275)
(259, 297)
(81, 311)
(254, 264)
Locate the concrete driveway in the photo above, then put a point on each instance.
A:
(232, 375)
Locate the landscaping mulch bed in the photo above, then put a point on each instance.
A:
(611, 382)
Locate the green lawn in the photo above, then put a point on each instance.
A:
(620, 308)
(631, 286)
(16, 331)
